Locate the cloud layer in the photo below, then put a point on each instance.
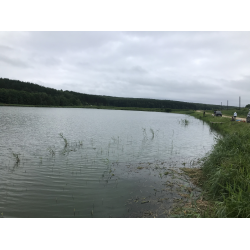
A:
(204, 67)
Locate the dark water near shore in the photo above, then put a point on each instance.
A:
(105, 163)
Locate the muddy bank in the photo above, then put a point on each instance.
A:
(164, 189)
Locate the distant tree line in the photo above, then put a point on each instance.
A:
(25, 93)
(17, 92)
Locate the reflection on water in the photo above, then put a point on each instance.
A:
(57, 162)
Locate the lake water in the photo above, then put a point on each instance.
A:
(57, 162)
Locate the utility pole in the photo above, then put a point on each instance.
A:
(221, 105)
(227, 104)
(239, 102)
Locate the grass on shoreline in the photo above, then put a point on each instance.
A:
(230, 112)
(225, 173)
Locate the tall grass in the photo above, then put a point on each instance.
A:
(226, 171)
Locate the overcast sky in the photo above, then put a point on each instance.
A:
(201, 67)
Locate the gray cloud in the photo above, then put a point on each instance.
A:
(205, 67)
(13, 62)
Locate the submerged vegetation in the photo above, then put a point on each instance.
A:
(184, 122)
(16, 156)
(65, 140)
(153, 133)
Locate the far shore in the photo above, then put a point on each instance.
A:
(101, 107)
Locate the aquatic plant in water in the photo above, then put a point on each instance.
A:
(51, 151)
(144, 133)
(65, 140)
(153, 133)
(17, 158)
(184, 122)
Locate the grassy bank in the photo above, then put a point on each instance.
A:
(240, 112)
(230, 112)
(225, 173)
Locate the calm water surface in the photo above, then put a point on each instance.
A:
(57, 162)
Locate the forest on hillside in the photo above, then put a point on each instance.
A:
(26, 93)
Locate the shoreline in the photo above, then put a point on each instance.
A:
(224, 174)
(163, 110)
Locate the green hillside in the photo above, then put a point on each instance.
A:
(26, 93)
